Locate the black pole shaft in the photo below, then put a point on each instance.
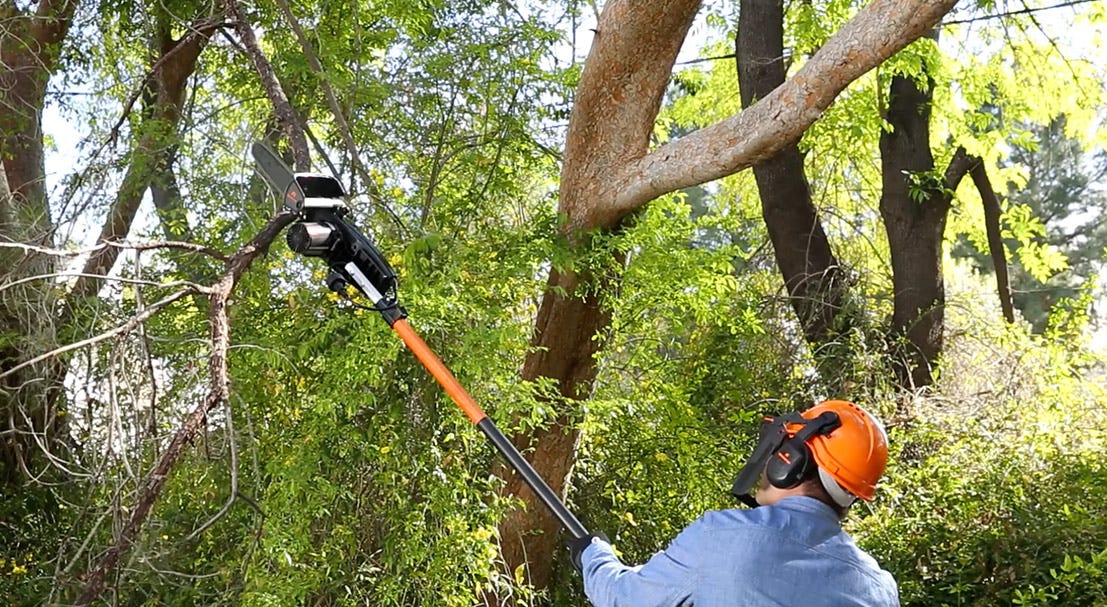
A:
(523, 468)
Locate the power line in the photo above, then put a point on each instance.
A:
(1023, 11)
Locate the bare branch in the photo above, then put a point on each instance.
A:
(133, 281)
(137, 246)
(286, 115)
(959, 165)
(172, 244)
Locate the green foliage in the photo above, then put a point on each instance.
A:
(1078, 581)
(687, 355)
(996, 484)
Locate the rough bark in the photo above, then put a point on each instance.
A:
(30, 44)
(915, 228)
(563, 349)
(815, 283)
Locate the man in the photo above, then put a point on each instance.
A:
(790, 549)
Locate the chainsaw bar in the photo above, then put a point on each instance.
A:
(279, 177)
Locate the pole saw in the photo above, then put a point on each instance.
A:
(322, 229)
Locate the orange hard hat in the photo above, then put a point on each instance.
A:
(855, 453)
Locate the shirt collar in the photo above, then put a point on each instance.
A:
(810, 505)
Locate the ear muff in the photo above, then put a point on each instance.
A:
(790, 465)
(793, 463)
(782, 453)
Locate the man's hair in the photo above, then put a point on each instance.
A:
(813, 487)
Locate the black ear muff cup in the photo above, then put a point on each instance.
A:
(790, 465)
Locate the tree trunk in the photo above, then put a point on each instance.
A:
(815, 283)
(563, 348)
(608, 174)
(914, 204)
(29, 49)
(611, 124)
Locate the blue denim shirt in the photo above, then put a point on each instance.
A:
(793, 553)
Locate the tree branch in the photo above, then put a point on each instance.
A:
(123, 328)
(959, 165)
(50, 25)
(995, 239)
(286, 116)
(133, 281)
(617, 102)
(878, 31)
(339, 116)
(151, 151)
(197, 36)
(217, 393)
(140, 246)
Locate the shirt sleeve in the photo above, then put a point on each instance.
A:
(666, 580)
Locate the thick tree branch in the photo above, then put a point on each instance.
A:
(52, 22)
(32, 36)
(618, 100)
(217, 393)
(191, 43)
(286, 115)
(958, 166)
(29, 49)
(995, 239)
(620, 93)
(877, 32)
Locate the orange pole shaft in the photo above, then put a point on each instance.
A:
(433, 364)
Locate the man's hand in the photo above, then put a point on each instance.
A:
(578, 545)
